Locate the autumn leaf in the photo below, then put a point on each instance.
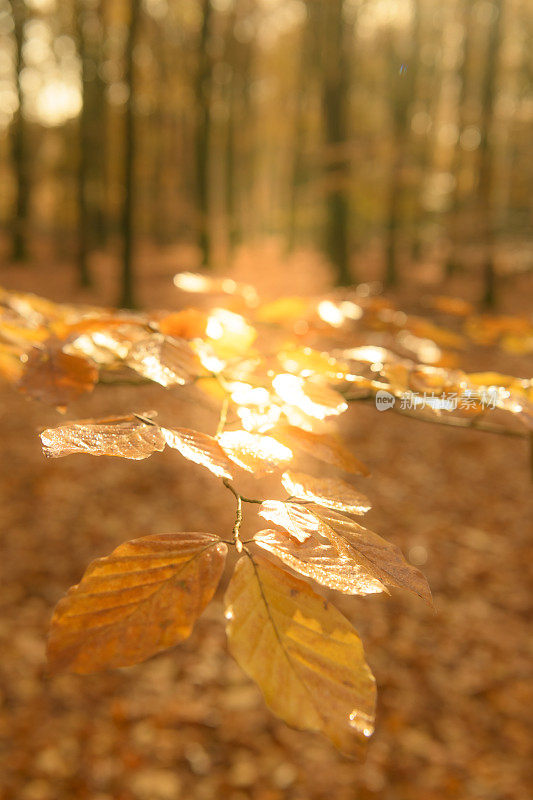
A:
(55, 377)
(165, 360)
(293, 518)
(125, 436)
(304, 361)
(321, 561)
(200, 448)
(314, 399)
(330, 492)
(305, 656)
(323, 446)
(187, 324)
(380, 558)
(254, 452)
(143, 598)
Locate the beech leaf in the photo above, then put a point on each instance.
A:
(125, 436)
(382, 559)
(304, 654)
(321, 561)
(314, 399)
(200, 448)
(165, 360)
(323, 446)
(293, 518)
(55, 377)
(330, 492)
(254, 452)
(143, 598)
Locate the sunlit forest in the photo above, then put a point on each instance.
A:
(232, 233)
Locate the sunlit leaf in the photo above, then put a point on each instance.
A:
(200, 448)
(229, 334)
(56, 377)
(306, 657)
(187, 324)
(202, 284)
(380, 558)
(330, 492)
(126, 436)
(285, 309)
(304, 361)
(314, 399)
(323, 446)
(293, 518)
(321, 561)
(254, 452)
(143, 598)
(165, 360)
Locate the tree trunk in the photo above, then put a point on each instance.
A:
(334, 105)
(83, 150)
(486, 168)
(203, 131)
(127, 299)
(20, 221)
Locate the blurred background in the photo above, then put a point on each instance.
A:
(381, 133)
(295, 145)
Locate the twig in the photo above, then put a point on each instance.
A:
(238, 518)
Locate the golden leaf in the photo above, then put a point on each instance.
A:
(330, 492)
(305, 361)
(165, 360)
(293, 518)
(314, 399)
(380, 558)
(200, 448)
(125, 436)
(55, 377)
(187, 324)
(321, 561)
(306, 657)
(143, 598)
(323, 446)
(254, 452)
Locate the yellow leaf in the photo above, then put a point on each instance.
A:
(314, 399)
(126, 436)
(293, 518)
(306, 657)
(321, 561)
(200, 448)
(304, 361)
(323, 446)
(330, 492)
(164, 360)
(254, 452)
(143, 598)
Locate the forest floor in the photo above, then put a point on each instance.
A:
(455, 694)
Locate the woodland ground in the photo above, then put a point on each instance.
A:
(454, 714)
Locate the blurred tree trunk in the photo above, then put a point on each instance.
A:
(453, 260)
(298, 145)
(127, 299)
(401, 85)
(335, 91)
(84, 145)
(20, 165)
(486, 168)
(203, 131)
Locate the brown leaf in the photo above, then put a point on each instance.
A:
(382, 559)
(320, 560)
(330, 492)
(165, 360)
(295, 519)
(143, 598)
(254, 452)
(200, 448)
(55, 377)
(126, 436)
(306, 657)
(323, 446)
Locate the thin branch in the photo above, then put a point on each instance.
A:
(451, 422)
(238, 517)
